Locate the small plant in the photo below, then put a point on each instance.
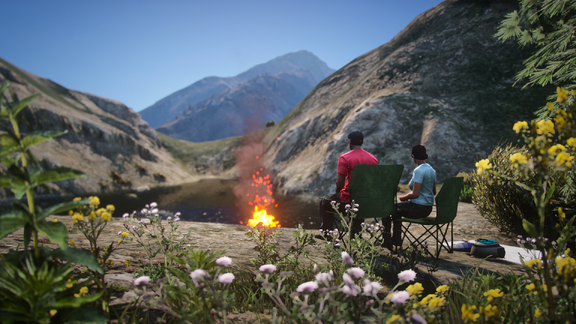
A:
(150, 233)
(34, 282)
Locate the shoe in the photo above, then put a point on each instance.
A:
(388, 242)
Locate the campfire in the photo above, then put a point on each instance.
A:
(262, 200)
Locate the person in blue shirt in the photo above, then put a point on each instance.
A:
(416, 204)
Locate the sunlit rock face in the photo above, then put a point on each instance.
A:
(105, 139)
(443, 81)
(243, 103)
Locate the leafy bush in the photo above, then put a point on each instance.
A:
(467, 191)
(501, 201)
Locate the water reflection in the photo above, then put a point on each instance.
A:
(209, 200)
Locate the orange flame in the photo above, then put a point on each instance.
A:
(262, 201)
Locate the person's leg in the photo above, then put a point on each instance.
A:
(325, 208)
(408, 210)
(356, 227)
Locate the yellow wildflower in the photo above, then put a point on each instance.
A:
(565, 264)
(110, 207)
(77, 199)
(393, 319)
(412, 289)
(55, 220)
(70, 212)
(106, 216)
(519, 126)
(119, 241)
(436, 302)
(490, 312)
(571, 141)
(77, 217)
(127, 263)
(553, 150)
(125, 234)
(564, 158)
(69, 285)
(442, 289)
(550, 105)
(562, 94)
(560, 120)
(531, 286)
(84, 290)
(537, 313)
(53, 312)
(567, 252)
(71, 242)
(483, 165)
(91, 216)
(545, 127)
(518, 158)
(425, 300)
(493, 293)
(530, 263)
(94, 201)
(561, 213)
(468, 313)
(76, 295)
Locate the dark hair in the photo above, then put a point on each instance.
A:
(356, 137)
(419, 152)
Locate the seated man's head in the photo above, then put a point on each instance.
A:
(356, 138)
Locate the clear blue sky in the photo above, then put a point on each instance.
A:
(139, 51)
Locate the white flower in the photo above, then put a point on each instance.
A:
(347, 207)
(188, 267)
(307, 287)
(371, 288)
(400, 297)
(348, 280)
(144, 211)
(154, 211)
(347, 259)
(120, 233)
(350, 290)
(152, 205)
(177, 214)
(125, 215)
(224, 261)
(268, 268)
(176, 219)
(418, 318)
(324, 278)
(354, 209)
(142, 281)
(315, 268)
(168, 218)
(356, 272)
(407, 275)
(198, 275)
(133, 227)
(225, 278)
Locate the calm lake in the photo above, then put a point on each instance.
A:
(211, 200)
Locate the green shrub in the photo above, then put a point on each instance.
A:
(468, 189)
(499, 200)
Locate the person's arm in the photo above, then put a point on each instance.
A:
(434, 188)
(340, 182)
(415, 192)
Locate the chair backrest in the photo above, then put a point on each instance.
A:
(447, 200)
(373, 188)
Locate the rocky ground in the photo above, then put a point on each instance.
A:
(469, 224)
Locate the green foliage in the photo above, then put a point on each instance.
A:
(154, 271)
(551, 26)
(499, 200)
(42, 289)
(468, 188)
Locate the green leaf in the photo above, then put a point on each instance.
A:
(5, 181)
(7, 150)
(57, 174)
(27, 235)
(3, 88)
(8, 140)
(530, 228)
(82, 315)
(78, 256)
(12, 221)
(18, 106)
(62, 207)
(55, 231)
(8, 317)
(77, 301)
(35, 138)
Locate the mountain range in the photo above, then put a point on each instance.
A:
(244, 103)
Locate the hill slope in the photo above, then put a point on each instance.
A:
(296, 63)
(105, 139)
(444, 80)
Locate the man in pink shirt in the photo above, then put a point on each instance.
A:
(346, 164)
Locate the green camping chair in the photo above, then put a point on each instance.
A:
(373, 188)
(437, 227)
